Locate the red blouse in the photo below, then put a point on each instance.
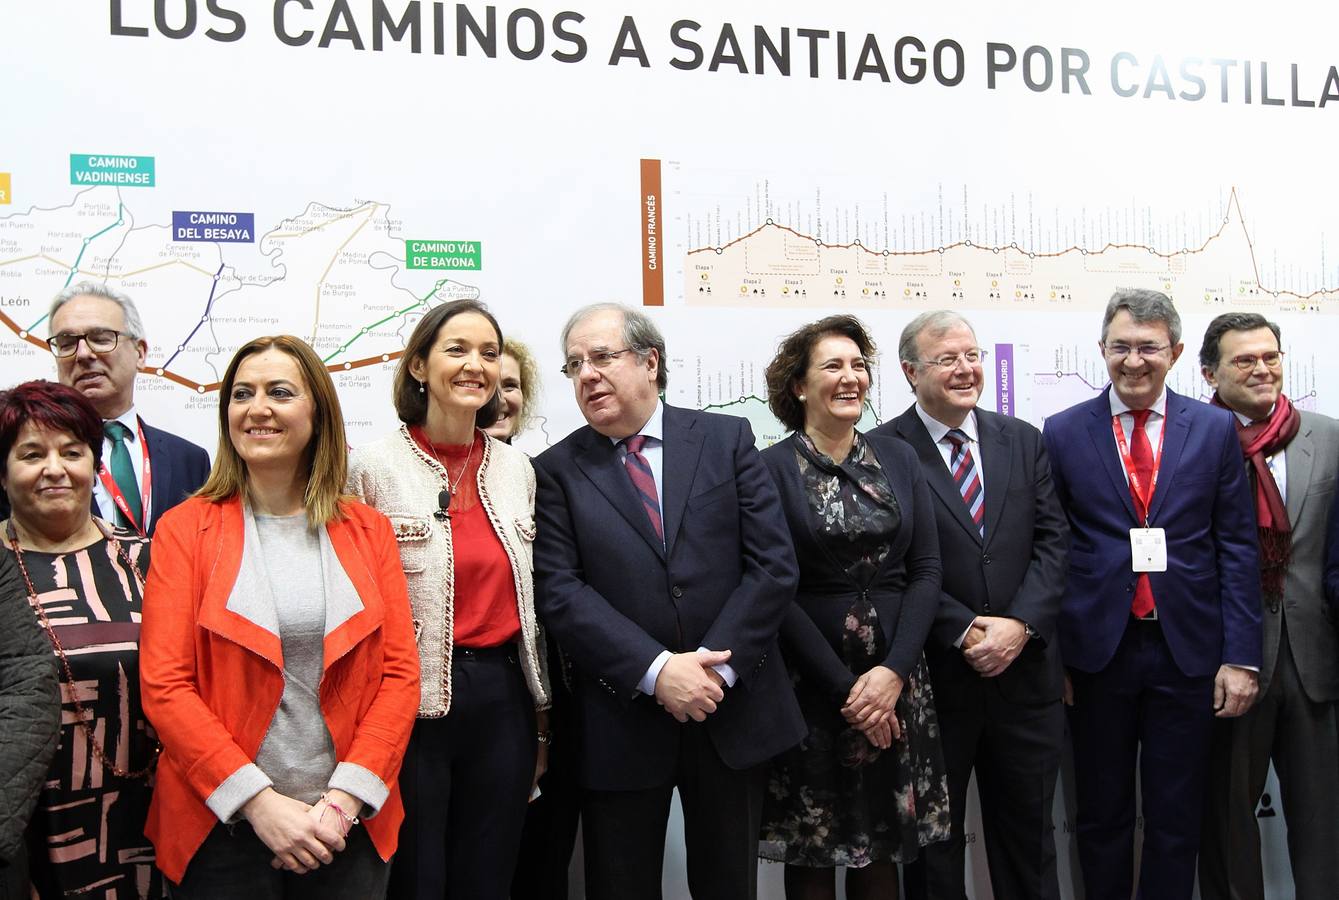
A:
(485, 613)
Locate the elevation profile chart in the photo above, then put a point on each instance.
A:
(738, 239)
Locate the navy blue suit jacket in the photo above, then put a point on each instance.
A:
(615, 597)
(1208, 600)
(1018, 571)
(178, 466)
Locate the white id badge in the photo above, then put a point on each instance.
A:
(1148, 549)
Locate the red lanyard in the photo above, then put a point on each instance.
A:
(145, 483)
(1126, 460)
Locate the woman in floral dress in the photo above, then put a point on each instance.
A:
(866, 788)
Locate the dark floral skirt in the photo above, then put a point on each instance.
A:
(837, 800)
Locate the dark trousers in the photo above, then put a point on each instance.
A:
(624, 831)
(551, 822)
(233, 863)
(1015, 750)
(1303, 739)
(1141, 710)
(465, 782)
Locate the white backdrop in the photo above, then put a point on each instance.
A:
(787, 159)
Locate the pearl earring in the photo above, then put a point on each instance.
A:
(801, 398)
(420, 387)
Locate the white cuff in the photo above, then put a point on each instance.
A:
(361, 783)
(648, 683)
(235, 791)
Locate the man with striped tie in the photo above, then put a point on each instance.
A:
(993, 655)
(664, 567)
(1160, 622)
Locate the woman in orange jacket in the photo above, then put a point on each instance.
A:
(277, 654)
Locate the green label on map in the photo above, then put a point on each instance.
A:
(107, 168)
(443, 254)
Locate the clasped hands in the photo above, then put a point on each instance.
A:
(871, 706)
(688, 687)
(302, 837)
(992, 643)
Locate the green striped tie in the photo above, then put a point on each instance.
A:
(123, 473)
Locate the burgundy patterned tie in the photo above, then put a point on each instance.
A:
(639, 470)
(963, 467)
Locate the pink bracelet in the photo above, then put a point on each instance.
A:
(348, 820)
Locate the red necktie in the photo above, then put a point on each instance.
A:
(1141, 452)
(639, 470)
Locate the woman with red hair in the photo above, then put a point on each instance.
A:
(84, 581)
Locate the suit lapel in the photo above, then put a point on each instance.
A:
(1175, 432)
(1299, 464)
(996, 460)
(912, 429)
(682, 447)
(160, 479)
(1104, 443)
(598, 461)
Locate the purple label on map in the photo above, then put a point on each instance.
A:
(1004, 379)
(214, 227)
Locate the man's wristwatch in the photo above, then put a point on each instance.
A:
(1031, 632)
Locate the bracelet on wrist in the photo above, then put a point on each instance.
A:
(544, 737)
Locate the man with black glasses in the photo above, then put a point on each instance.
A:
(1291, 457)
(1160, 621)
(97, 337)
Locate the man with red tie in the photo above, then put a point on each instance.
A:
(1160, 622)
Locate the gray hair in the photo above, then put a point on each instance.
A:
(134, 324)
(1144, 306)
(639, 333)
(936, 322)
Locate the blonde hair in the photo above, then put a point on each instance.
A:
(326, 458)
(525, 361)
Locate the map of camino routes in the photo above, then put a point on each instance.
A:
(207, 282)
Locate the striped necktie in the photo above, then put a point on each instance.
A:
(963, 467)
(639, 471)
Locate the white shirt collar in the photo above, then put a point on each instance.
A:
(938, 429)
(1246, 420)
(130, 421)
(654, 427)
(1159, 406)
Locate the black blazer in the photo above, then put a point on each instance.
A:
(178, 466)
(904, 591)
(615, 597)
(1018, 572)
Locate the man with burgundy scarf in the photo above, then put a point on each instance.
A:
(1291, 458)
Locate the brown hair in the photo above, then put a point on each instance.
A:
(791, 363)
(327, 459)
(411, 402)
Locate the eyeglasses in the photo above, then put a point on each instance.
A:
(99, 340)
(600, 359)
(1273, 359)
(1120, 351)
(950, 361)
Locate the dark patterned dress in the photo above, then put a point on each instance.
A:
(836, 799)
(86, 838)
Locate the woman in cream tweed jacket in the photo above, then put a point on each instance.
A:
(462, 508)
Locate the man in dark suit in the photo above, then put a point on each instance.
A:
(664, 567)
(97, 337)
(1160, 622)
(1291, 457)
(994, 660)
